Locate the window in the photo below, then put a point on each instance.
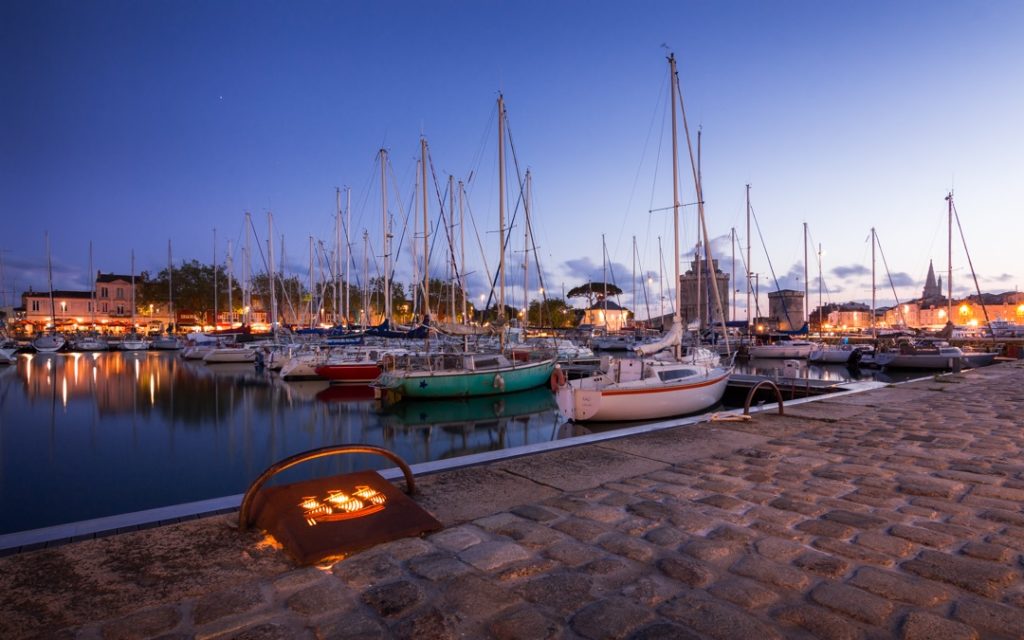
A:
(35, 305)
(120, 293)
(104, 293)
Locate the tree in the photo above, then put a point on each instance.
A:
(191, 289)
(551, 313)
(594, 290)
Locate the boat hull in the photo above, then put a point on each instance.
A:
(465, 383)
(617, 403)
(349, 373)
(781, 351)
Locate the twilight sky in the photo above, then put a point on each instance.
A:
(131, 124)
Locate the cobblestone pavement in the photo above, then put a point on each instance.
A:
(890, 513)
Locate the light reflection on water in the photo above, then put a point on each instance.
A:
(90, 435)
(98, 434)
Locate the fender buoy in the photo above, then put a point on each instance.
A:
(557, 379)
(499, 382)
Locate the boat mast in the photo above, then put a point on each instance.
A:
(820, 283)
(526, 253)
(677, 308)
(462, 250)
(247, 275)
(661, 285)
(231, 286)
(337, 255)
(426, 234)
(501, 213)
(215, 278)
(49, 279)
(366, 279)
(270, 272)
(312, 286)
(451, 246)
(733, 267)
(750, 318)
(387, 234)
(170, 289)
(807, 299)
(92, 294)
(874, 241)
(348, 254)
(133, 291)
(949, 258)
(604, 279)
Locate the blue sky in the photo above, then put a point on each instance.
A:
(129, 124)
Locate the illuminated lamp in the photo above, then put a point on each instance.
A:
(327, 519)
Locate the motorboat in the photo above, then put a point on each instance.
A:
(133, 342)
(49, 342)
(922, 354)
(782, 349)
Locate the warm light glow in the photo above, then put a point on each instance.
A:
(973, 322)
(1020, 310)
(906, 308)
(942, 313)
(964, 309)
(340, 506)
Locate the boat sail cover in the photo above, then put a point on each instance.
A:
(670, 339)
(454, 329)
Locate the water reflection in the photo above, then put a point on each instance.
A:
(137, 430)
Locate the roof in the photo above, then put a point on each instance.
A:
(85, 295)
(111, 278)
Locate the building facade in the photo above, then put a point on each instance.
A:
(698, 300)
(786, 309)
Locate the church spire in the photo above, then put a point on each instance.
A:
(931, 289)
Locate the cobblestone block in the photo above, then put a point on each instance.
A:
(689, 571)
(361, 571)
(885, 543)
(1003, 493)
(488, 556)
(430, 624)
(1003, 516)
(629, 547)
(920, 625)
(524, 623)
(275, 630)
(852, 602)
(798, 506)
(967, 477)
(665, 536)
(955, 530)
(475, 593)
(820, 622)
(351, 625)
(715, 619)
(989, 617)
(770, 573)
(730, 534)
(324, 596)
(618, 499)
(240, 599)
(855, 520)
(826, 528)
(293, 580)
(664, 631)
(942, 506)
(974, 575)
(526, 569)
(610, 618)
(536, 513)
(148, 623)
(987, 551)
(720, 501)
(928, 486)
(775, 530)
(895, 586)
(457, 538)
(821, 564)
(777, 549)
(922, 536)
(852, 551)
(583, 530)
(438, 566)
(981, 502)
(602, 513)
(745, 593)
(573, 553)
(709, 550)
(392, 599)
(561, 592)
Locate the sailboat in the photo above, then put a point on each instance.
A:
(466, 374)
(660, 383)
(133, 341)
(167, 341)
(50, 342)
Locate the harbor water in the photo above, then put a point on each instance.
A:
(88, 435)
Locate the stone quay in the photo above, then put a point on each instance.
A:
(892, 513)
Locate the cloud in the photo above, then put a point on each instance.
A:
(849, 271)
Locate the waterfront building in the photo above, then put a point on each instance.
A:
(694, 286)
(606, 315)
(786, 309)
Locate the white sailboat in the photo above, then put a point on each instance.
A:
(132, 341)
(51, 341)
(660, 383)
